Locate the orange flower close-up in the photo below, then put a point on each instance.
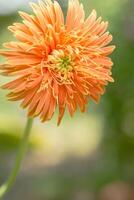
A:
(57, 63)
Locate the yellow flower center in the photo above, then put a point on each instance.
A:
(65, 65)
(62, 65)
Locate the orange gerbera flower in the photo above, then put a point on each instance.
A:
(58, 64)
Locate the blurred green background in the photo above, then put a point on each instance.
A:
(89, 157)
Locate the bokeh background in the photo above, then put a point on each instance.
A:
(89, 157)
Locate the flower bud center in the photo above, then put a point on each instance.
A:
(64, 65)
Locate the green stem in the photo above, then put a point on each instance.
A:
(21, 153)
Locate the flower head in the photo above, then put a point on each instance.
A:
(57, 63)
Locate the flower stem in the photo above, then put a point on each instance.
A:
(21, 153)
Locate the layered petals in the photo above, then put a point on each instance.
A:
(57, 62)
